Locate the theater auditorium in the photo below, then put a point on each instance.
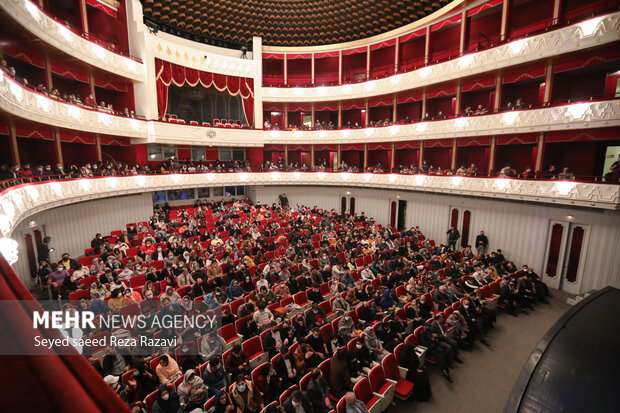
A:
(309, 206)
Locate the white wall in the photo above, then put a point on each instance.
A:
(519, 229)
(72, 227)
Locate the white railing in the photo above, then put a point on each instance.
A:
(52, 32)
(594, 32)
(19, 202)
(25, 103)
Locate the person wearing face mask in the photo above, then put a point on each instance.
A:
(298, 403)
(334, 343)
(171, 295)
(346, 327)
(263, 317)
(167, 401)
(246, 396)
(316, 316)
(159, 254)
(268, 383)
(282, 291)
(192, 391)
(119, 388)
(143, 382)
(212, 345)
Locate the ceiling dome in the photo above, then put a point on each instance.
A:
(288, 22)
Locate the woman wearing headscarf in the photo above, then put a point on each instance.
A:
(143, 382)
(421, 385)
(224, 403)
(375, 346)
(187, 304)
(167, 401)
(209, 303)
(234, 290)
(346, 327)
(339, 377)
(268, 383)
(192, 391)
(387, 302)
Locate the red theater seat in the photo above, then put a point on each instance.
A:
(403, 388)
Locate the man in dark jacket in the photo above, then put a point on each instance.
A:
(318, 392)
(481, 243)
(298, 403)
(453, 236)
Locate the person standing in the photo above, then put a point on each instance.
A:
(481, 244)
(453, 236)
(43, 250)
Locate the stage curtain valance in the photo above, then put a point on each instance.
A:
(169, 73)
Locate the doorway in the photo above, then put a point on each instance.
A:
(567, 243)
(461, 218)
(402, 214)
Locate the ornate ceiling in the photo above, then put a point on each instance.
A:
(289, 22)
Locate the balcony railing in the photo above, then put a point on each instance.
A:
(87, 48)
(453, 65)
(21, 201)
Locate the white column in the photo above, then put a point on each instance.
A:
(257, 57)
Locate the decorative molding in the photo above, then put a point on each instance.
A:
(24, 103)
(19, 202)
(52, 32)
(170, 133)
(198, 56)
(594, 32)
(575, 116)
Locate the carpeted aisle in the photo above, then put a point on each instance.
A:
(485, 380)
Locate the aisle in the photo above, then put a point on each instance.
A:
(485, 380)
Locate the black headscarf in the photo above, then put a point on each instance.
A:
(219, 407)
(172, 405)
(408, 357)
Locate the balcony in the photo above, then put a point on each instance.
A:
(58, 35)
(26, 103)
(19, 202)
(594, 32)
(572, 116)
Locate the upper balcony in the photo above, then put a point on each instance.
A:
(72, 41)
(25, 103)
(589, 33)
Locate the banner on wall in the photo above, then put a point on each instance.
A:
(168, 73)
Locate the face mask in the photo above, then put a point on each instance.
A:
(136, 373)
(272, 373)
(359, 346)
(241, 388)
(165, 397)
(185, 350)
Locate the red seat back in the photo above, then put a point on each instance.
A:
(377, 378)
(363, 390)
(390, 367)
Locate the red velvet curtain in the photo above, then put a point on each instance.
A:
(168, 73)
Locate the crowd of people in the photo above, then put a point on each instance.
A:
(384, 286)
(439, 115)
(89, 101)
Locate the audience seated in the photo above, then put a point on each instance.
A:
(373, 307)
